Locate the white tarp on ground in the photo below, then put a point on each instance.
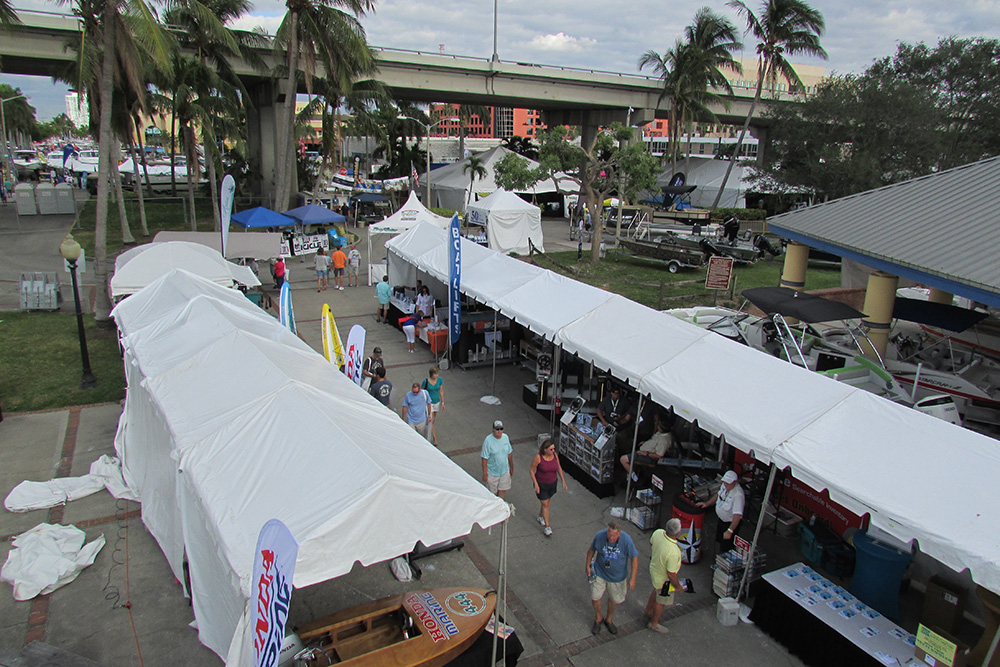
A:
(450, 184)
(874, 456)
(707, 174)
(47, 557)
(256, 245)
(230, 420)
(139, 266)
(510, 222)
(105, 473)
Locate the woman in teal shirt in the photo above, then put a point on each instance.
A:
(433, 385)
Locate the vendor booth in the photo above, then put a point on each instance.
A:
(409, 214)
(876, 458)
(139, 266)
(225, 419)
(512, 224)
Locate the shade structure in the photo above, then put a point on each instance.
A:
(258, 217)
(141, 265)
(512, 224)
(230, 421)
(314, 214)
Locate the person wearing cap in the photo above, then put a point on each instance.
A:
(664, 564)
(729, 502)
(369, 368)
(498, 460)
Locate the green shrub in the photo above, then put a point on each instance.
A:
(741, 213)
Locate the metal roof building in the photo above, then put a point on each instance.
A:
(941, 230)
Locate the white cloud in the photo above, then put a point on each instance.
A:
(562, 42)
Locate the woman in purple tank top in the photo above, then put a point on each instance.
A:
(545, 472)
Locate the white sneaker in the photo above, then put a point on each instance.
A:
(341, 289)
(548, 531)
(540, 520)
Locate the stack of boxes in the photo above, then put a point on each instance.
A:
(729, 568)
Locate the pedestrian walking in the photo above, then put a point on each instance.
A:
(545, 471)
(279, 272)
(611, 559)
(664, 564)
(322, 269)
(433, 384)
(416, 407)
(498, 460)
(383, 292)
(353, 266)
(382, 388)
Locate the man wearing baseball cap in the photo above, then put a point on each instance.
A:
(729, 502)
(498, 460)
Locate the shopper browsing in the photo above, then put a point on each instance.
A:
(664, 564)
(611, 559)
(498, 460)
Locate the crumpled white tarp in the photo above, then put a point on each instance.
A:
(105, 472)
(46, 558)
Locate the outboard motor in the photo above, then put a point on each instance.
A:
(731, 229)
(761, 243)
(708, 248)
(941, 406)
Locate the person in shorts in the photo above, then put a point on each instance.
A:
(416, 407)
(498, 460)
(664, 564)
(545, 471)
(434, 385)
(353, 266)
(322, 269)
(383, 292)
(339, 259)
(611, 558)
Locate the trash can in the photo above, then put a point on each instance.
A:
(24, 197)
(65, 204)
(692, 518)
(45, 199)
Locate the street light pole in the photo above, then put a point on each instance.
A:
(427, 130)
(70, 250)
(6, 145)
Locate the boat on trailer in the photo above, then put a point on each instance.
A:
(429, 628)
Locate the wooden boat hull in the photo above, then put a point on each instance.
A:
(429, 627)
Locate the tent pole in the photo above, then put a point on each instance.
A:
(501, 591)
(635, 442)
(756, 532)
(493, 387)
(556, 388)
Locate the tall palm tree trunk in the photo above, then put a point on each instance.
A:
(743, 132)
(286, 135)
(102, 305)
(116, 176)
(213, 181)
(145, 168)
(143, 227)
(173, 145)
(192, 170)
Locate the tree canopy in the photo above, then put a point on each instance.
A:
(922, 110)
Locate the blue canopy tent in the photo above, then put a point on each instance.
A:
(313, 214)
(258, 216)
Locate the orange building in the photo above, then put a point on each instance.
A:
(503, 122)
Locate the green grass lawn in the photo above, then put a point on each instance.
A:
(41, 366)
(649, 283)
(162, 214)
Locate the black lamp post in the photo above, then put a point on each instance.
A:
(70, 250)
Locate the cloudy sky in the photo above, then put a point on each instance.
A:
(606, 35)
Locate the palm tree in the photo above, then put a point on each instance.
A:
(326, 32)
(8, 15)
(783, 28)
(667, 68)
(475, 168)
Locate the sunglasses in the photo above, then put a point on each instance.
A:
(498, 428)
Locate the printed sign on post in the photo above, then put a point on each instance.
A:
(720, 272)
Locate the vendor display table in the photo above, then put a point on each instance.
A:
(589, 461)
(823, 624)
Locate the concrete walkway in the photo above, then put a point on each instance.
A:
(128, 602)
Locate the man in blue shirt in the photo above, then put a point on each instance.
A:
(416, 407)
(610, 554)
(383, 291)
(498, 460)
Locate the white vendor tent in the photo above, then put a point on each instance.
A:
(875, 457)
(139, 266)
(411, 213)
(707, 174)
(450, 185)
(230, 420)
(510, 222)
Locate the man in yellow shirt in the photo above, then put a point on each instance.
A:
(664, 564)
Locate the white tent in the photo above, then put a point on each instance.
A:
(707, 174)
(510, 222)
(411, 213)
(450, 185)
(139, 266)
(256, 245)
(230, 421)
(875, 457)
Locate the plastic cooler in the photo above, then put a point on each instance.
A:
(692, 519)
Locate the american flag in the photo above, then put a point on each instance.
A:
(414, 176)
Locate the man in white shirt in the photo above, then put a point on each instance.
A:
(729, 504)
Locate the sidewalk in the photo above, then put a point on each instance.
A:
(548, 594)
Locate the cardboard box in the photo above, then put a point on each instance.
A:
(727, 611)
(787, 522)
(937, 648)
(944, 605)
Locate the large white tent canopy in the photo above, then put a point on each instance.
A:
(256, 245)
(874, 456)
(139, 266)
(411, 213)
(230, 420)
(510, 222)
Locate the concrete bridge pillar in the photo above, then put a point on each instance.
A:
(264, 115)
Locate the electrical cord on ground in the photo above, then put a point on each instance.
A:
(120, 557)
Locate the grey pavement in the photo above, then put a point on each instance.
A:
(130, 583)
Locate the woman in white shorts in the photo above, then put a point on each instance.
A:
(433, 385)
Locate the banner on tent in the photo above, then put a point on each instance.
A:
(355, 353)
(455, 280)
(273, 567)
(305, 244)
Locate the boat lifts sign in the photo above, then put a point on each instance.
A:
(720, 272)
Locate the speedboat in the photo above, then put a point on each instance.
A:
(85, 161)
(27, 162)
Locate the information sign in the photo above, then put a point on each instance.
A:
(720, 272)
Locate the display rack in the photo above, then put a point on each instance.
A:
(477, 327)
(729, 568)
(595, 458)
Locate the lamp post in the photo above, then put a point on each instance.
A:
(70, 250)
(3, 130)
(427, 130)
